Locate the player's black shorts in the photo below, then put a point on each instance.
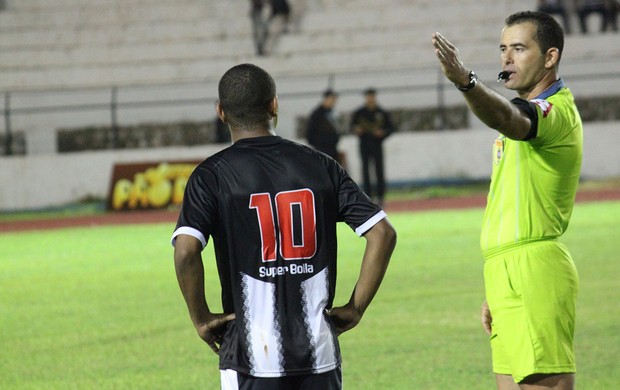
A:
(233, 380)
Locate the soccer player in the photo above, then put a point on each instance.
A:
(530, 280)
(271, 207)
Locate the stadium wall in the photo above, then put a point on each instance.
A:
(43, 181)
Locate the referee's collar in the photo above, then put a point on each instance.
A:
(552, 90)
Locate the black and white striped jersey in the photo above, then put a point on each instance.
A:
(271, 207)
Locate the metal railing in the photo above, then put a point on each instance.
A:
(434, 90)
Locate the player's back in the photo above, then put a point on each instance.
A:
(275, 243)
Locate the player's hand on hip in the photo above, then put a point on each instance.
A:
(485, 317)
(344, 318)
(450, 60)
(212, 330)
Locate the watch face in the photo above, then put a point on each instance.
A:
(473, 79)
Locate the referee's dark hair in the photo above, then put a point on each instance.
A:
(245, 93)
(549, 33)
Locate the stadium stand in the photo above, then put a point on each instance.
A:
(65, 52)
(72, 43)
(82, 72)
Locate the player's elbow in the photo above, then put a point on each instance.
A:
(186, 250)
(385, 232)
(391, 237)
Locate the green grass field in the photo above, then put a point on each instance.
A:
(99, 308)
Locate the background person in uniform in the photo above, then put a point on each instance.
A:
(372, 125)
(556, 7)
(260, 26)
(531, 282)
(281, 8)
(321, 131)
(607, 9)
(271, 207)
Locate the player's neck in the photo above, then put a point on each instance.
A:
(239, 134)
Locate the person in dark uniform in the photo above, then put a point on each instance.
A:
(271, 206)
(321, 131)
(281, 8)
(372, 125)
(260, 26)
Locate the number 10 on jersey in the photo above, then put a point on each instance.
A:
(293, 227)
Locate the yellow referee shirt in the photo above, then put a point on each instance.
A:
(533, 184)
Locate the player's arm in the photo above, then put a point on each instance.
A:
(490, 107)
(190, 275)
(380, 243)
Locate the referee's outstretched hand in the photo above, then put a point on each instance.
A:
(450, 60)
(344, 318)
(212, 330)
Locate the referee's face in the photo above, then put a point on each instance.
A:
(521, 56)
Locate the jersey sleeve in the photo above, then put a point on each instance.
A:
(529, 109)
(199, 209)
(355, 208)
(553, 123)
(550, 123)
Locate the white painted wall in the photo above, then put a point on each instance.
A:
(32, 182)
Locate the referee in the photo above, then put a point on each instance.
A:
(530, 280)
(271, 207)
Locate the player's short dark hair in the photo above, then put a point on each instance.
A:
(549, 33)
(245, 92)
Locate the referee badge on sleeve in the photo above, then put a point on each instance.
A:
(498, 149)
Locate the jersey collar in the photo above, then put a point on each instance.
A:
(266, 139)
(552, 90)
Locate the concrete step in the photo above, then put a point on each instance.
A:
(135, 33)
(409, 15)
(116, 13)
(119, 54)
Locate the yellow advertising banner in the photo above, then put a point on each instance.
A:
(154, 185)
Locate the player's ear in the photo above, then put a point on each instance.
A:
(220, 112)
(273, 110)
(273, 106)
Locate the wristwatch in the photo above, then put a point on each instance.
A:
(473, 80)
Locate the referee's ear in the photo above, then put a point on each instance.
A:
(220, 112)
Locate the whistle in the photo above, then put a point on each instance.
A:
(504, 75)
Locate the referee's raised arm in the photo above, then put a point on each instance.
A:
(493, 109)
